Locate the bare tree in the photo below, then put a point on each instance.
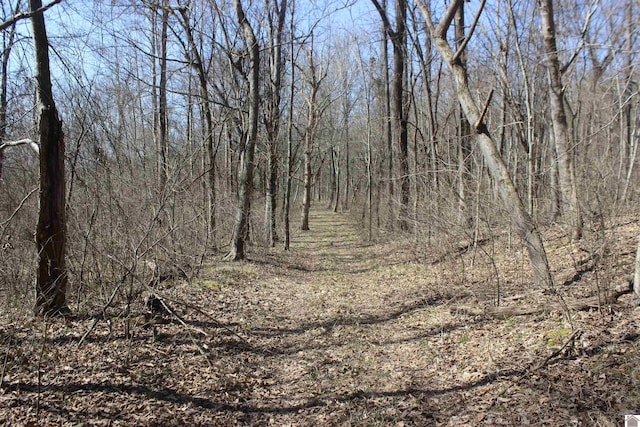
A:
(289, 160)
(566, 171)
(272, 112)
(161, 114)
(51, 282)
(388, 133)
(463, 128)
(195, 58)
(399, 40)
(239, 237)
(314, 77)
(475, 115)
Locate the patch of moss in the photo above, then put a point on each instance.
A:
(555, 337)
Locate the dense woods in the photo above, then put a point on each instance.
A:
(187, 132)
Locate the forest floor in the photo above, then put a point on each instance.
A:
(339, 332)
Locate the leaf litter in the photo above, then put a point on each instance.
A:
(339, 332)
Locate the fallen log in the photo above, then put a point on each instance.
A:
(504, 312)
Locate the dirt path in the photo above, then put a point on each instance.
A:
(340, 331)
(335, 332)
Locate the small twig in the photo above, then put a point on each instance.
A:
(471, 30)
(569, 340)
(222, 326)
(97, 319)
(15, 212)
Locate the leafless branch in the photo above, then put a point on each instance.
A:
(384, 18)
(585, 27)
(471, 30)
(34, 147)
(15, 212)
(26, 15)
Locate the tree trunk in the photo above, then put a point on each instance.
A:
(163, 166)
(273, 116)
(287, 190)
(464, 131)
(347, 160)
(309, 136)
(240, 230)
(195, 59)
(399, 40)
(306, 195)
(51, 284)
(569, 206)
(332, 181)
(388, 133)
(507, 190)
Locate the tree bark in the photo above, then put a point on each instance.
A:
(287, 190)
(51, 284)
(507, 190)
(464, 131)
(246, 176)
(273, 116)
(195, 58)
(306, 195)
(309, 136)
(569, 207)
(399, 41)
(163, 166)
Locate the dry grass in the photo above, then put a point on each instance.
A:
(340, 332)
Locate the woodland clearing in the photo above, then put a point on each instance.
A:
(341, 332)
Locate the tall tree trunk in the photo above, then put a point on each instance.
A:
(273, 116)
(347, 160)
(507, 190)
(332, 181)
(306, 195)
(570, 207)
(163, 166)
(464, 131)
(399, 40)
(388, 133)
(51, 282)
(626, 143)
(240, 229)
(309, 136)
(287, 190)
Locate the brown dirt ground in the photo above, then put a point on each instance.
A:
(343, 333)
